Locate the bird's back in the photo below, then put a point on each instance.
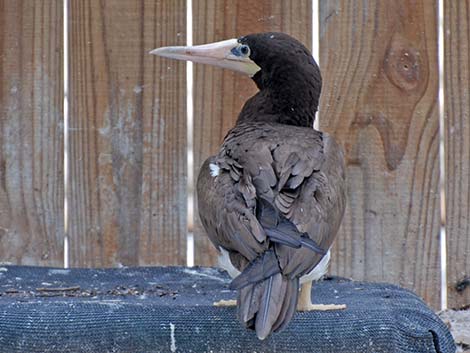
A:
(269, 186)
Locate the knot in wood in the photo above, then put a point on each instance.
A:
(403, 65)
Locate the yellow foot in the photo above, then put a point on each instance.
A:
(321, 307)
(230, 302)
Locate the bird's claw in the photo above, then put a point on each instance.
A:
(223, 302)
(321, 307)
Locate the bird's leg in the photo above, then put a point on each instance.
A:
(223, 302)
(305, 301)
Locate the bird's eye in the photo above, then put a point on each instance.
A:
(241, 50)
(245, 50)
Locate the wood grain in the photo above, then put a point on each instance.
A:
(31, 133)
(380, 71)
(219, 94)
(457, 147)
(127, 134)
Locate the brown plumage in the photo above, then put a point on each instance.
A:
(276, 194)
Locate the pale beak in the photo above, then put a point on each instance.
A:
(216, 54)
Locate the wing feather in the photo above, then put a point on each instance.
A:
(279, 195)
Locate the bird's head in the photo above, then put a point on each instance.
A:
(265, 57)
(276, 62)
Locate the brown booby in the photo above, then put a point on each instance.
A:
(273, 197)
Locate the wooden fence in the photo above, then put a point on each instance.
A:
(127, 138)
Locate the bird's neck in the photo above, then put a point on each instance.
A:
(291, 102)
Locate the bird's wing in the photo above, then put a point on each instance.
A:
(226, 213)
(317, 208)
(275, 205)
(297, 171)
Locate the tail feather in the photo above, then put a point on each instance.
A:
(248, 301)
(267, 299)
(289, 306)
(269, 305)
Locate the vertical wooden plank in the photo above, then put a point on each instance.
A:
(220, 94)
(127, 134)
(457, 147)
(380, 71)
(31, 133)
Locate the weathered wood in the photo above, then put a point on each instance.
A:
(219, 94)
(31, 133)
(380, 71)
(457, 147)
(127, 134)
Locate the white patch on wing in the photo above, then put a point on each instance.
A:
(318, 271)
(226, 264)
(214, 169)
